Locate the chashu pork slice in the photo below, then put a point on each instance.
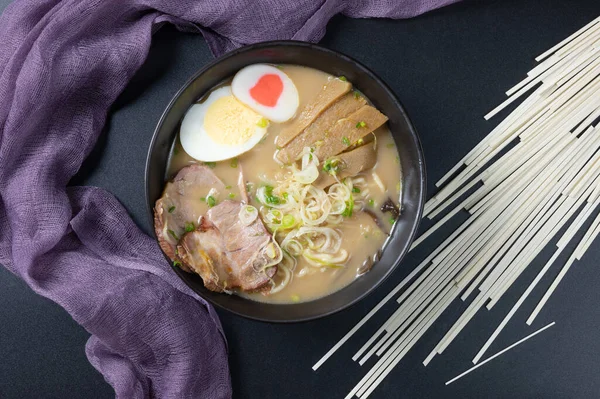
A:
(181, 204)
(228, 254)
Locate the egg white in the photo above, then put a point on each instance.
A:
(288, 102)
(198, 143)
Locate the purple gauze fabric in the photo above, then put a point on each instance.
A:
(62, 64)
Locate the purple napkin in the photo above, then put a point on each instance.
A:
(62, 64)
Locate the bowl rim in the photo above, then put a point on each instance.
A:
(372, 75)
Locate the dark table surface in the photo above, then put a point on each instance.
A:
(449, 68)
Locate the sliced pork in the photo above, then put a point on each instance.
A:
(212, 241)
(181, 204)
(227, 254)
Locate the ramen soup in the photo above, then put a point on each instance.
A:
(284, 184)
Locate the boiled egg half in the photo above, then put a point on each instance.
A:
(267, 90)
(221, 127)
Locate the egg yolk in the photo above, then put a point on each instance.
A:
(229, 122)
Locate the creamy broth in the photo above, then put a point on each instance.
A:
(362, 237)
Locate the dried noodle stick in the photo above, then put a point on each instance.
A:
(536, 173)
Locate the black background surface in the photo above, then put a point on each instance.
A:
(449, 68)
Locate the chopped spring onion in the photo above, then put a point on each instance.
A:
(248, 214)
(372, 202)
(171, 209)
(176, 263)
(361, 124)
(231, 195)
(189, 226)
(357, 94)
(355, 190)
(269, 198)
(342, 78)
(349, 207)
(346, 140)
(211, 201)
(233, 163)
(263, 122)
(309, 171)
(332, 166)
(210, 164)
(173, 234)
(271, 251)
(308, 175)
(288, 221)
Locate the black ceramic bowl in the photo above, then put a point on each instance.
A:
(413, 169)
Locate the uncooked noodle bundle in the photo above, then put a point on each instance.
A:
(537, 172)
